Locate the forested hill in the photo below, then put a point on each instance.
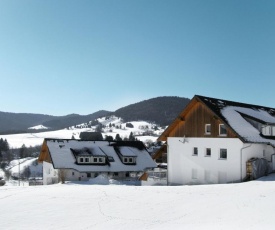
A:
(161, 110)
(15, 122)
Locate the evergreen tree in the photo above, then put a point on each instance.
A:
(118, 138)
(23, 151)
(109, 138)
(132, 137)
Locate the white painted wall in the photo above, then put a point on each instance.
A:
(184, 168)
(50, 175)
(73, 175)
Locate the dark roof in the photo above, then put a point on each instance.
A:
(217, 104)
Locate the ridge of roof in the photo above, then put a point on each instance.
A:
(220, 103)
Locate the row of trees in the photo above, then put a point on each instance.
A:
(8, 154)
(97, 136)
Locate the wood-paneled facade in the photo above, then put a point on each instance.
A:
(192, 120)
(44, 154)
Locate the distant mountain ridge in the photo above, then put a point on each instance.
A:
(161, 110)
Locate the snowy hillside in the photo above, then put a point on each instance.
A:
(29, 163)
(37, 127)
(144, 131)
(240, 206)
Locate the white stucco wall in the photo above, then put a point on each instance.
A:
(50, 175)
(73, 175)
(186, 168)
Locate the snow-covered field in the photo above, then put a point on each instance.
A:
(247, 205)
(33, 139)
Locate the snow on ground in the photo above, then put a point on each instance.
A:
(247, 205)
(32, 139)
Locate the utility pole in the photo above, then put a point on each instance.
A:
(19, 172)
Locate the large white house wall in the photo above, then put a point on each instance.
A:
(187, 168)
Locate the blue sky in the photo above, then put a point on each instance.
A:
(67, 56)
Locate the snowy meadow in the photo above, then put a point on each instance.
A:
(247, 205)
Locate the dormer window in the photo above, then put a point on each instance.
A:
(268, 130)
(222, 130)
(129, 160)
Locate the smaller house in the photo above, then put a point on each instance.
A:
(78, 160)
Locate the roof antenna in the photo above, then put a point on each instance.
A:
(183, 140)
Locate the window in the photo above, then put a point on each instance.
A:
(208, 152)
(100, 159)
(223, 153)
(223, 131)
(95, 160)
(72, 173)
(86, 159)
(208, 129)
(81, 159)
(130, 160)
(125, 160)
(195, 151)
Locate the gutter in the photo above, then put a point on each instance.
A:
(241, 159)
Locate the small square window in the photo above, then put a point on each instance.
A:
(208, 152)
(223, 153)
(81, 160)
(95, 160)
(208, 129)
(223, 131)
(195, 151)
(86, 159)
(100, 159)
(125, 160)
(130, 160)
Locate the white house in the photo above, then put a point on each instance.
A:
(77, 160)
(214, 140)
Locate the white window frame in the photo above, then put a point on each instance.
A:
(207, 132)
(223, 158)
(81, 159)
(220, 128)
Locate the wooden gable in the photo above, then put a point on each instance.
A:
(44, 154)
(192, 120)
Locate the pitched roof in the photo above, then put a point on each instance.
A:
(63, 154)
(239, 117)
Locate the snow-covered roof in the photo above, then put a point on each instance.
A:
(63, 155)
(235, 115)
